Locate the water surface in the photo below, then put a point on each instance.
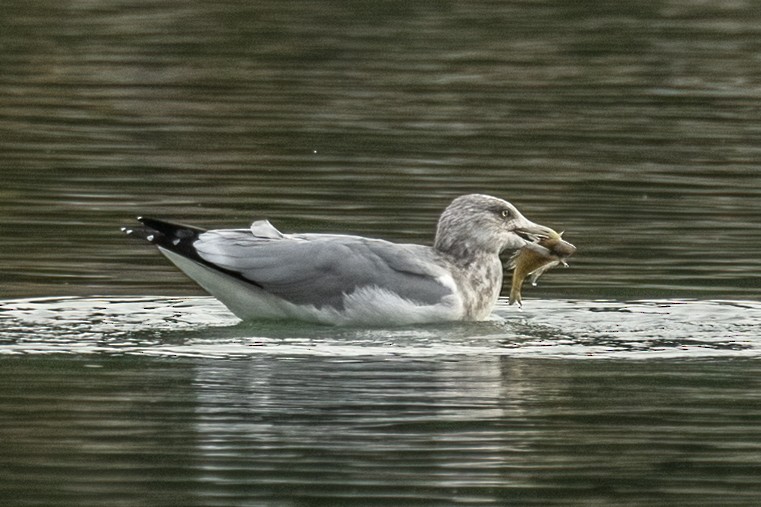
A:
(566, 403)
(202, 327)
(633, 128)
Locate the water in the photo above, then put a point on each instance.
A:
(174, 401)
(629, 379)
(200, 327)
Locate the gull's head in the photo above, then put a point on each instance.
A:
(481, 223)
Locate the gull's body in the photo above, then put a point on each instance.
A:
(261, 273)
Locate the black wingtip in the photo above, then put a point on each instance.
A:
(179, 239)
(170, 229)
(169, 235)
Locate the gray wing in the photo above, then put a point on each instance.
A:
(319, 269)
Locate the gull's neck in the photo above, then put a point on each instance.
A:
(464, 251)
(478, 275)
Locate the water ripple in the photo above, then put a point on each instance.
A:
(201, 327)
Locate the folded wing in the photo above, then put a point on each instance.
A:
(320, 270)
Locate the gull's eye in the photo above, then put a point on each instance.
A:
(505, 213)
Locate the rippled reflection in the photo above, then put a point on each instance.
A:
(633, 128)
(173, 398)
(389, 430)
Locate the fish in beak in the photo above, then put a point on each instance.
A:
(544, 250)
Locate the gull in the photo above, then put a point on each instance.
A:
(262, 273)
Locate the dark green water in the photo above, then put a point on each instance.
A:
(629, 379)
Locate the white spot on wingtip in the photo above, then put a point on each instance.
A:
(176, 241)
(150, 237)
